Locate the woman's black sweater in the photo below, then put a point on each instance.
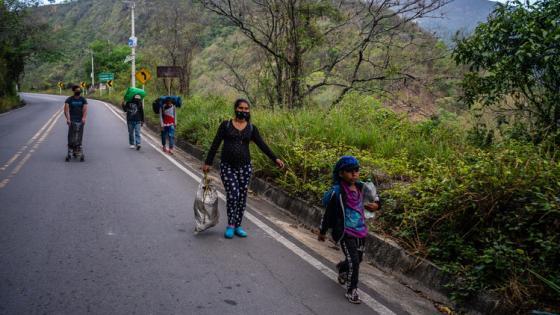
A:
(235, 151)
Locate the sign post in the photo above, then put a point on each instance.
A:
(60, 86)
(110, 85)
(105, 77)
(143, 75)
(169, 72)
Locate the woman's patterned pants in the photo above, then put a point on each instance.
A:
(236, 184)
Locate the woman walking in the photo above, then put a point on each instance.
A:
(235, 165)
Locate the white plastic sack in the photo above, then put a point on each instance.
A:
(205, 207)
(370, 195)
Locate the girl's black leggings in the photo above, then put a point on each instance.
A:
(236, 183)
(353, 249)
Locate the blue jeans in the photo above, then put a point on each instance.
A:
(134, 132)
(166, 132)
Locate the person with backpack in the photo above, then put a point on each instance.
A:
(345, 216)
(235, 164)
(135, 120)
(75, 111)
(168, 123)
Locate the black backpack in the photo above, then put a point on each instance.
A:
(156, 105)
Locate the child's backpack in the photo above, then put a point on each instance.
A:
(158, 102)
(176, 100)
(156, 106)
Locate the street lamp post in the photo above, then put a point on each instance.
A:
(92, 71)
(132, 43)
(92, 74)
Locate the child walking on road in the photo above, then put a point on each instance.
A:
(345, 216)
(168, 123)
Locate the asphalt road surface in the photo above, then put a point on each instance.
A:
(113, 235)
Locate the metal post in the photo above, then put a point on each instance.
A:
(92, 72)
(133, 69)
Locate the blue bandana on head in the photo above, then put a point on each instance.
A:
(344, 163)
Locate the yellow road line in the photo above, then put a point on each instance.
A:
(22, 149)
(51, 123)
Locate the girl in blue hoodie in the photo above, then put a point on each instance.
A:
(344, 215)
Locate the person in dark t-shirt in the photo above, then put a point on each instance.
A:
(235, 166)
(75, 111)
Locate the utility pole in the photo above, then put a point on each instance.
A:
(92, 72)
(132, 44)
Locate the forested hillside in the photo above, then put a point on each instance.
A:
(218, 59)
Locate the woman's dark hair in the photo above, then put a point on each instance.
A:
(239, 101)
(74, 87)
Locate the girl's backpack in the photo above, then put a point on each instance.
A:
(158, 103)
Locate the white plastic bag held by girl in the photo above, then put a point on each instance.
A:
(370, 195)
(206, 213)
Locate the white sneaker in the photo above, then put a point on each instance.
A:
(132, 146)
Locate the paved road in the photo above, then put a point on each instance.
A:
(113, 235)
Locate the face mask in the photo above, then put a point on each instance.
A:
(242, 115)
(77, 93)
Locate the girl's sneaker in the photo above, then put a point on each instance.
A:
(170, 151)
(353, 297)
(229, 232)
(164, 149)
(132, 146)
(240, 232)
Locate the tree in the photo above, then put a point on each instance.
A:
(347, 44)
(108, 57)
(514, 60)
(21, 40)
(180, 37)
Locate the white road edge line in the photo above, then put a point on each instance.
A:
(366, 298)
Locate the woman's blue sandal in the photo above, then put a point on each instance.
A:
(229, 232)
(240, 232)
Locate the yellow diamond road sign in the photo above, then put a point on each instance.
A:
(110, 83)
(60, 85)
(143, 75)
(83, 84)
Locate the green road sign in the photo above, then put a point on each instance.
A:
(106, 76)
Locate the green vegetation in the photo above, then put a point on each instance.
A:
(515, 60)
(21, 40)
(9, 102)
